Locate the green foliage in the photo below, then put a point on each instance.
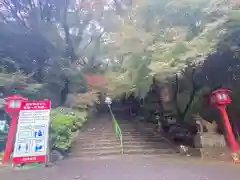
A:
(235, 96)
(136, 76)
(179, 49)
(78, 82)
(145, 38)
(1, 155)
(63, 125)
(198, 105)
(234, 15)
(171, 34)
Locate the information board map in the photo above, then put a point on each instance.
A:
(32, 132)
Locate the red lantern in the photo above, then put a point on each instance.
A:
(13, 103)
(220, 99)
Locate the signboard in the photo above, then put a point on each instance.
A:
(3, 125)
(32, 132)
(2, 103)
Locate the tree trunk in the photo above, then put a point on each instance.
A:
(182, 114)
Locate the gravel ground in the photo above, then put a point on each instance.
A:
(128, 168)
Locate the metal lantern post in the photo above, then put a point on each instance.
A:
(118, 131)
(108, 101)
(220, 99)
(2, 112)
(12, 107)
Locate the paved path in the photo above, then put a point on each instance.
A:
(130, 168)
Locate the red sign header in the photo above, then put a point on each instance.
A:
(36, 105)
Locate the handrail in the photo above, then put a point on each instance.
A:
(117, 129)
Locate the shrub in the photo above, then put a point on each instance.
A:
(1, 156)
(63, 124)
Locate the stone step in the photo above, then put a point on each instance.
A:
(127, 126)
(118, 151)
(137, 128)
(112, 132)
(132, 140)
(123, 133)
(113, 139)
(113, 136)
(126, 145)
(106, 141)
(99, 139)
(125, 140)
(128, 132)
(111, 129)
(123, 123)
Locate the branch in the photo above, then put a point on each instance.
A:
(88, 43)
(122, 57)
(176, 96)
(3, 17)
(31, 4)
(118, 6)
(82, 62)
(14, 12)
(40, 4)
(96, 47)
(195, 89)
(71, 50)
(193, 93)
(97, 65)
(150, 44)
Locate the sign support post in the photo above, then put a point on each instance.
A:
(13, 105)
(10, 139)
(49, 147)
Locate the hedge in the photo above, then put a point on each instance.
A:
(64, 123)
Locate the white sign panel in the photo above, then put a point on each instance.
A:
(2, 125)
(32, 132)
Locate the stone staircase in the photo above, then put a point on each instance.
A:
(99, 140)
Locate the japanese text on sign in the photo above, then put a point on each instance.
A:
(35, 105)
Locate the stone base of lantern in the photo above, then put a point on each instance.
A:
(235, 158)
(213, 146)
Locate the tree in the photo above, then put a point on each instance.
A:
(195, 87)
(126, 41)
(37, 38)
(180, 35)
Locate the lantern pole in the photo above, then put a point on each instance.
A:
(220, 99)
(229, 132)
(10, 138)
(13, 112)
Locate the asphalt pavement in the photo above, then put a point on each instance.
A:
(128, 168)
